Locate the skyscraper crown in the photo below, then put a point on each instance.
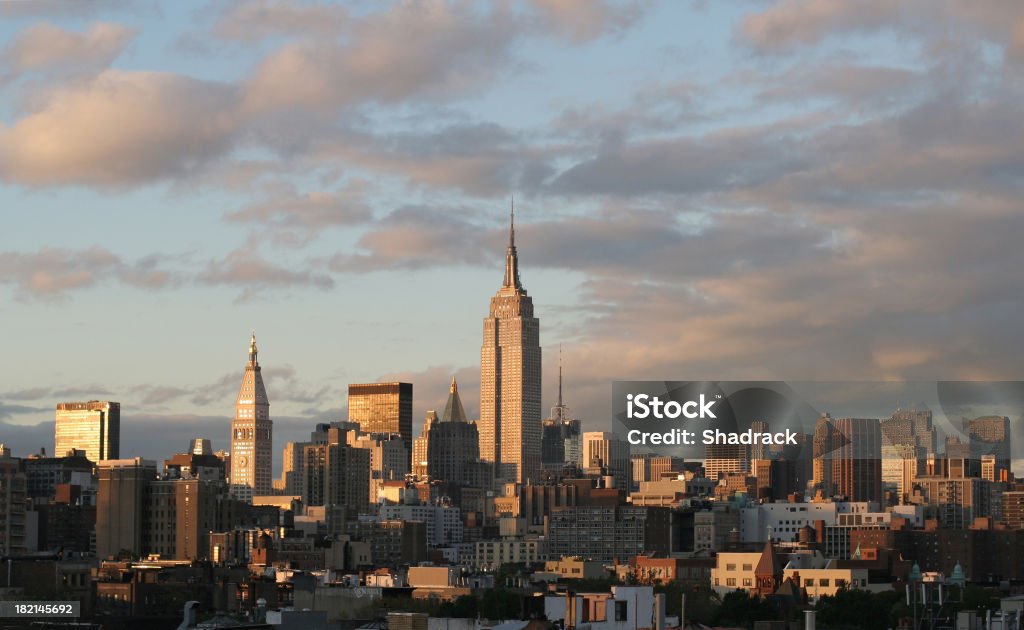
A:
(511, 280)
(453, 410)
(252, 389)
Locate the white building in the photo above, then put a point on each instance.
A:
(626, 607)
(491, 554)
(785, 520)
(444, 522)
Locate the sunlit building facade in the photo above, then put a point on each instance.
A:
(93, 427)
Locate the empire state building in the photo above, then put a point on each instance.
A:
(251, 434)
(510, 412)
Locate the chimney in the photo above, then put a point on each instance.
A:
(188, 619)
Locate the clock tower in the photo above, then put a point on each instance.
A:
(251, 434)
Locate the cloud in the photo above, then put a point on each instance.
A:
(246, 268)
(8, 410)
(423, 49)
(898, 295)
(476, 158)
(89, 392)
(946, 28)
(718, 161)
(583, 20)
(850, 84)
(282, 382)
(47, 47)
(294, 217)
(414, 237)
(52, 272)
(789, 23)
(120, 128)
(26, 439)
(253, 20)
(61, 8)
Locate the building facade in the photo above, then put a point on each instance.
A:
(857, 459)
(609, 453)
(93, 427)
(12, 507)
(120, 503)
(382, 408)
(609, 534)
(389, 459)
(720, 459)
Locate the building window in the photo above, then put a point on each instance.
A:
(730, 581)
(825, 582)
(748, 582)
(809, 582)
(730, 567)
(748, 567)
(621, 611)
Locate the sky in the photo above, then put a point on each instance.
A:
(771, 189)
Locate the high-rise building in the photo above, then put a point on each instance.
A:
(452, 443)
(93, 427)
(44, 474)
(609, 452)
(195, 464)
(776, 478)
(251, 434)
(382, 408)
(991, 470)
(12, 507)
(910, 428)
(899, 467)
(857, 459)
(337, 475)
(759, 451)
(823, 447)
(1013, 509)
(120, 504)
(421, 445)
(609, 533)
(180, 514)
(444, 522)
(290, 483)
(389, 459)
(510, 378)
(200, 446)
(561, 443)
(560, 434)
(720, 459)
(990, 435)
(954, 501)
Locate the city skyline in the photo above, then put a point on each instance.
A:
(782, 190)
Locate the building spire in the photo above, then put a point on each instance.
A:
(511, 256)
(252, 348)
(453, 410)
(560, 375)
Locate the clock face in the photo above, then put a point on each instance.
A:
(243, 460)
